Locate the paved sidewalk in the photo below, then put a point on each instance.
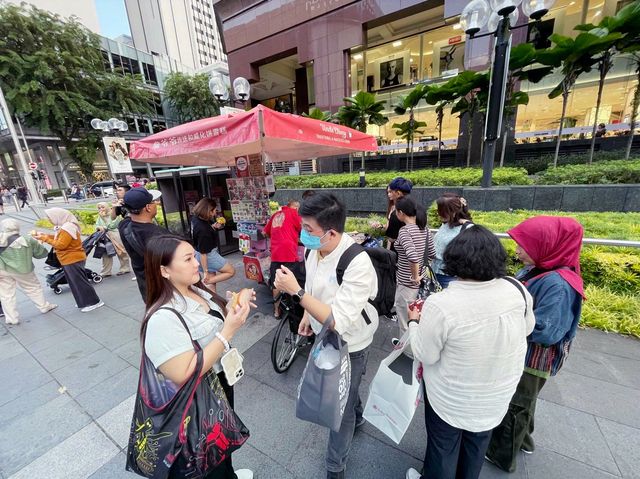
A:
(68, 381)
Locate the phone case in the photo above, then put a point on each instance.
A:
(232, 366)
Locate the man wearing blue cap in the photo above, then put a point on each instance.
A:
(138, 228)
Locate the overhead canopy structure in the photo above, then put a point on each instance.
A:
(278, 136)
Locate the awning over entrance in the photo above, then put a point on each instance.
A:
(279, 136)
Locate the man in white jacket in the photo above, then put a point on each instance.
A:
(355, 318)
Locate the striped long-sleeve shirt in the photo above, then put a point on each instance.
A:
(410, 247)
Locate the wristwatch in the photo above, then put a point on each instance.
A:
(297, 297)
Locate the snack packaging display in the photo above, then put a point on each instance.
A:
(417, 304)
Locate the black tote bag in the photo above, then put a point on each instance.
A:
(194, 421)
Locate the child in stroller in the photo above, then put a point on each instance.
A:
(58, 278)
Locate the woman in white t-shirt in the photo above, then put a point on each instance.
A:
(173, 280)
(471, 339)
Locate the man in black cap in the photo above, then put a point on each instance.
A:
(138, 228)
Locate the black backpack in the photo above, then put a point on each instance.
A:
(384, 262)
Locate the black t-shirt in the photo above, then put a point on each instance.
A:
(394, 226)
(134, 238)
(205, 238)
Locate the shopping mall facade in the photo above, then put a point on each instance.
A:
(304, 53)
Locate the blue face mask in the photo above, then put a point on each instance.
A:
(311, 242)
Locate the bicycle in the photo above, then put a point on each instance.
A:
(287, 342)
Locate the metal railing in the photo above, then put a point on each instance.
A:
(586, 241)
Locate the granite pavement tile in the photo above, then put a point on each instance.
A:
(19, 375)
(63, 349)
(573, 434)
(117, 421)
(28, 402)
(78, 456)
(89, 371)
(109, 328)
(624, 443)
(109, 393)
(545, 464)
(114, 469)
(36, 431)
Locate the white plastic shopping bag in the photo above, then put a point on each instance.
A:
(395, 392)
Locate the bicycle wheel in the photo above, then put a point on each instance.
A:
(284, 346)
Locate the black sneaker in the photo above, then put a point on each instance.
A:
(360, 422)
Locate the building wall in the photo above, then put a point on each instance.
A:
(323, 31)
(182, 29)
(85, 10)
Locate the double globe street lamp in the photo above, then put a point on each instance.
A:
(501, 17)
(218, 88)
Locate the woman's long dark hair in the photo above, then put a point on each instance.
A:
(160, 291)
(411, 207)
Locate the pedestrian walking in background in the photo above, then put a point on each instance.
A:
(398, 188)
(550, 249)
(16, 270)
(283, 228)
(412, 240)
(67, 242)
(23, 195)
(453, 211)
(347, 304)
(138, 228)
(105, 223)
(173, 279)
(204, 230)
(471, 339)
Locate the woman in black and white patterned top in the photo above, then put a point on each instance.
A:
(412, 240)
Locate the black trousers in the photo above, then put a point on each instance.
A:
(516, 428)
(452, 453)
(224, 470)
(81, 288)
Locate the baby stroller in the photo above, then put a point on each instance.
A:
(58, 278)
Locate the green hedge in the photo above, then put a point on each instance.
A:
(604, 172)
(544, 162)
(430, 177)
(610, 311)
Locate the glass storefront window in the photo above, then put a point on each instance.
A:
(393, 64)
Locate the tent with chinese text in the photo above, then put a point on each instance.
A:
(277, 136)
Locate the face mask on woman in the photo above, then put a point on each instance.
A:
(310, 241)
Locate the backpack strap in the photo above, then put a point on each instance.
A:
(518, 285)
(343, 263)
(466, 225)
(133, 239)
(10, 241)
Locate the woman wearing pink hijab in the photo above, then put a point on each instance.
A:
(549, 246)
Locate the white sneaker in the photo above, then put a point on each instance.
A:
(11, 321)
(412, 474)
(244, 473)
(133, 278)
(48, 307)
(87, 309)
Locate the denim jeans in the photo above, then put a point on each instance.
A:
(340, 442)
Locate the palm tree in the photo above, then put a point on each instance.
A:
(440, 96)
(360, 111)
(318, 114)
(576, 56)
(405, 103)
(407, 130)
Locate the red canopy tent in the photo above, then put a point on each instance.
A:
(277, 136)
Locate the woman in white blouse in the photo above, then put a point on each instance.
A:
(471, 339)
(173, 280)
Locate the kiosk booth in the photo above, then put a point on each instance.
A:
(235, 148)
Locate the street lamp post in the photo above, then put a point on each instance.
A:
(110, 126)
(473, 18)
(218, 88)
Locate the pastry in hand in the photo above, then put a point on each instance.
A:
(241, 298)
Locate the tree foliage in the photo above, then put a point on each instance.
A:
(318, 114)
(189, 96)
(54, 79)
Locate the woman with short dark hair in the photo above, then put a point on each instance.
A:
(471, 341)
(453, 210)
(204, 229)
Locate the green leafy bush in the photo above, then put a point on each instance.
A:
(604, 172)
(429, 177)
(543, 162)
(610, 311)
